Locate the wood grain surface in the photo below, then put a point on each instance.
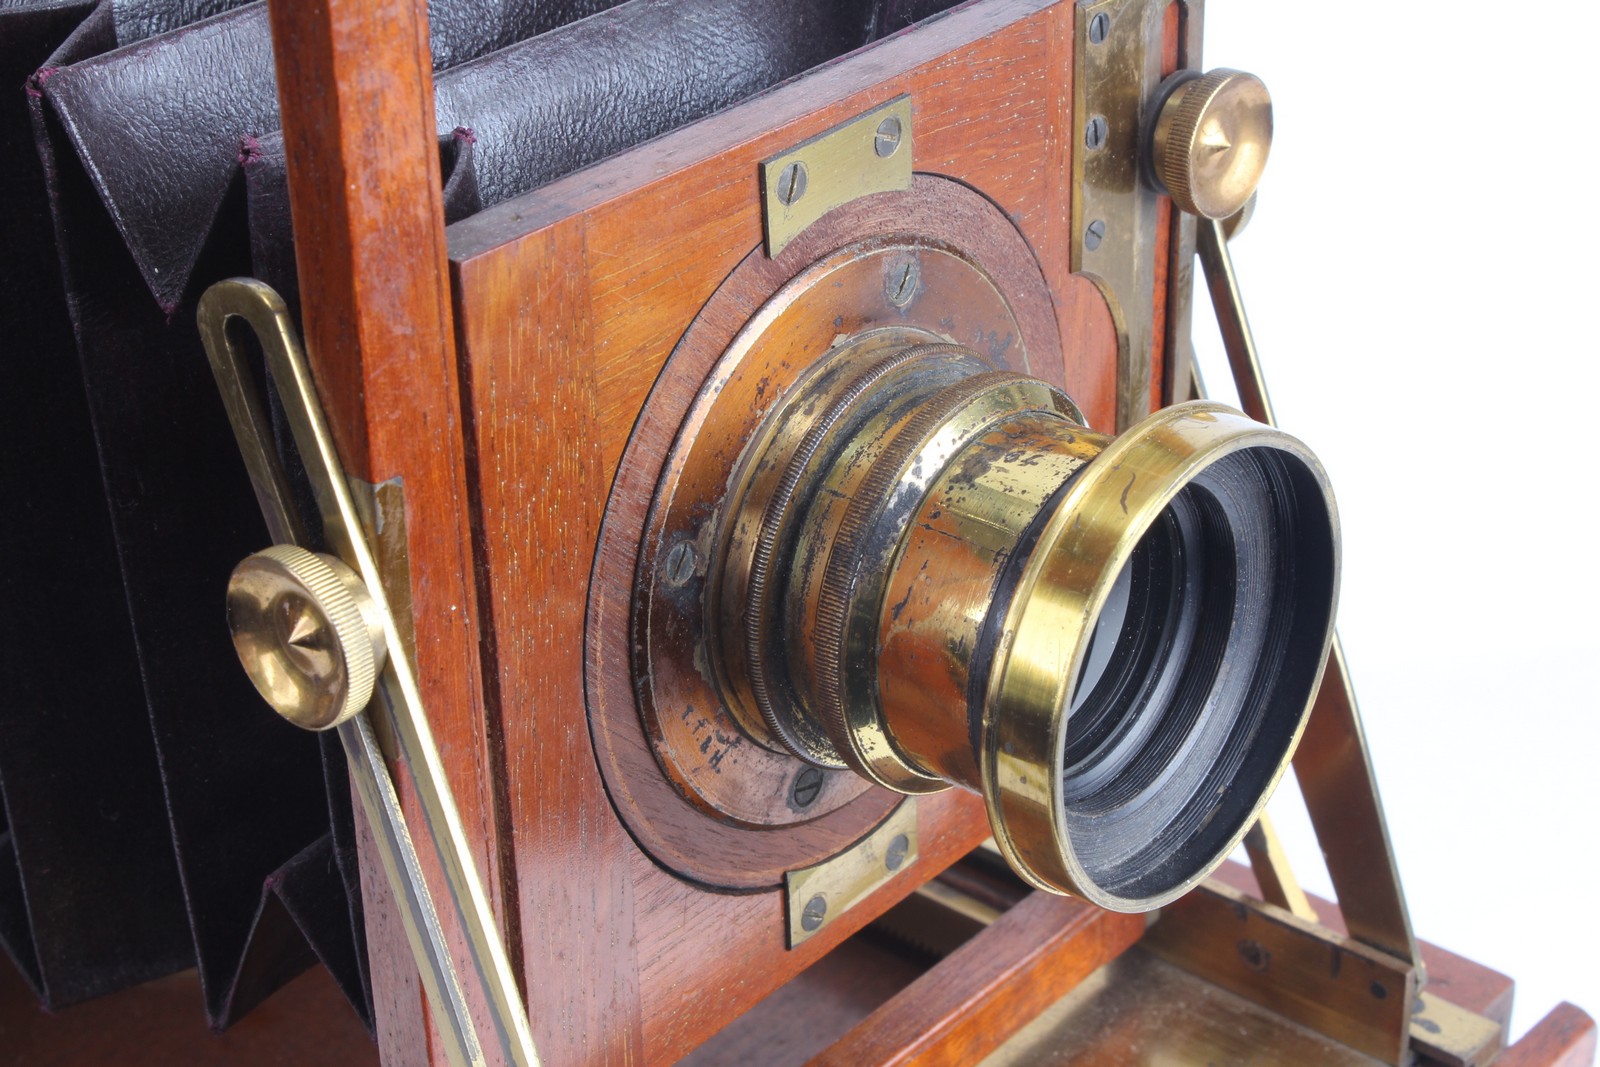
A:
(570, 301)
(1563, 1038)
(539, 476)
(815, 1008)
(990, 987)
(498, 373)
(693, 430)
(356, 96)
(309, 1022)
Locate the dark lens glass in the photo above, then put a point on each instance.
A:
(1105, 639)
(1197, 673)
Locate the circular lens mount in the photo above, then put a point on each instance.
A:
(878, 552)
(934, 574)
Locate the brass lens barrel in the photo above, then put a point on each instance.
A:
(933, 573)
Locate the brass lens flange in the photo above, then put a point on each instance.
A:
(860, 545)
(933, 573)
(831, 487)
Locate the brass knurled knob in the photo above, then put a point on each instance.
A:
(1211, 142)
(308, 634)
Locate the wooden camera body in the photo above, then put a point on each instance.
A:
(604, 470)
(588, 315)
(549, 404)
(570, 306)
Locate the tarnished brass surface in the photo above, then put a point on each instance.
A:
(708, 504)
(1116, 72)
(880, 420)
(1140, 1011)
(869, 154)
(1273, 873)
(1227, 300)
(942, 590)
(1211, 141)
(1051, 617)
(909, 577)
(1305, 972)
(1451, 1035)
(878, 546)
(1239, 221)
(1334, 767)
(307, 633)
(382, 508)
(1178, 335)
(819, 894)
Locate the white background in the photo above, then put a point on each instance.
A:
(1421, 278)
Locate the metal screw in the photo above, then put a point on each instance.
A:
(1094, 235)
(1094, 135)
(901, 281)
(1099, 28)
(887, 142)
(807, 787)
(792, 183)
(1254, 955)
(815, 911)
(680, 563)
(895, 854)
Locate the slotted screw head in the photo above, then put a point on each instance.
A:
(815, 911)
(1096, 131)
(887, 140)
(895, 854)
(792, 183)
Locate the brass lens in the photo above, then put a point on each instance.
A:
(932, 573)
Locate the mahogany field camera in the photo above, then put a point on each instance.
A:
(777, 580)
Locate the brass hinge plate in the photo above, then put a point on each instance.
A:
(818, 895)
(1301, 970)
(1453, 1036)
(869, 154)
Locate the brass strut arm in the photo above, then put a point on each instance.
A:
(1333, 763)
(257, 305)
